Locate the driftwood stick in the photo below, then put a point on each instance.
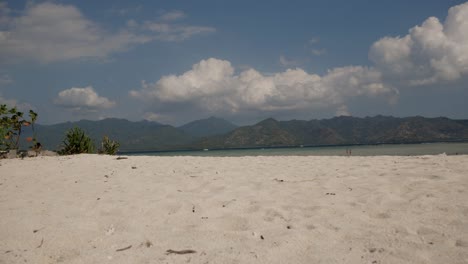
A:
(180, 252)
(125, 248)
(42, 242)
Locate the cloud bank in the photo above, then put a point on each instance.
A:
(431, 53)
(212, 85)
(82, 100)
(49, 32)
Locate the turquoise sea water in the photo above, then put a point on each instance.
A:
(365, 150)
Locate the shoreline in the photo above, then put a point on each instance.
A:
(358, 150)
(130, 152)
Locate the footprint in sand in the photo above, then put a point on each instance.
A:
(461, 243)
(110, 230)
(271, 215)
(230, 222)
(434, 177)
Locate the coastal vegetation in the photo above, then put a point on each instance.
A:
(15, 124)
(108, 146)
(77, 142)
(12, 124)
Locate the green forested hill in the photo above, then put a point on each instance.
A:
(217, 133)
(341, 130)
(208, 127)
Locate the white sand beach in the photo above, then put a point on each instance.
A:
(97, 209)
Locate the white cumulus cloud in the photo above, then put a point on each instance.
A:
(82, 99)
(432, 52)
(212, 85)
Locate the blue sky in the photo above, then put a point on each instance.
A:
(176, 61)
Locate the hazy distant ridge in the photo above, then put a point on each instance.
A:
(218, 133)
(208, 127)
(341, 130)
(136, 136)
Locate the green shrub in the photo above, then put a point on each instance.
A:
(108, 146)
(12, 122)
(76, 142)
(3, 137)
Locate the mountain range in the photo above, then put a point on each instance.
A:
(341, 131)
(217, 133)
(135, 136)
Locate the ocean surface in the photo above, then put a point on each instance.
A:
(362, 150)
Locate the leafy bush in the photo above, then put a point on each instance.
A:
(11, 126)
(76, 142)
(108, 146)
(3, 138)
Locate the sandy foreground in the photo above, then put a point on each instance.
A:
(97, 209)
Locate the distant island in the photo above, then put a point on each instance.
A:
(217, 133)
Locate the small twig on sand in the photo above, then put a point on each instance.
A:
(125, 248)
(40, 245)
(37, 230)
(121, 158)
(180, 252)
